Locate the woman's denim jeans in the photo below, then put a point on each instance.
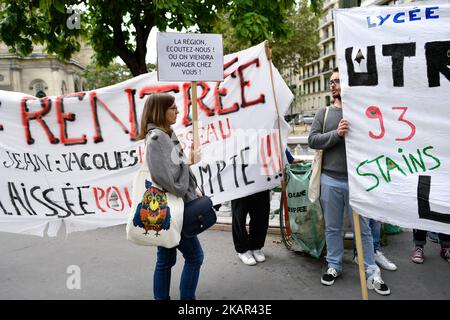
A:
(166, 259)
(334, 197)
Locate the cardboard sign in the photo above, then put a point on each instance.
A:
(189, 57)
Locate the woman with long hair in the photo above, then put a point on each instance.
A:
(165, 160)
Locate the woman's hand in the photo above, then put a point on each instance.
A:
(198, 193)
(194, 156)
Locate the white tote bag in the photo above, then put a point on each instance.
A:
(156, 217)
(314, 180)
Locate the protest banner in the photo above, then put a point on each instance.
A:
(395, 88)
(73, 157)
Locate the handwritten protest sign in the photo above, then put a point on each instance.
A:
(189, 57)
(73, 157)
(395, 84)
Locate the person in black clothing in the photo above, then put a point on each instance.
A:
(420, 239)
(248, 245)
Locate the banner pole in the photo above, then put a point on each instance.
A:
(283, 177)
(196, 139)
(269, 57)
(359, 250)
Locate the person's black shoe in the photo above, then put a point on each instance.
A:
(329, 277)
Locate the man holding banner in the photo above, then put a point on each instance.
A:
(334, 193)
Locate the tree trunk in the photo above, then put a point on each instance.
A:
(136, 65)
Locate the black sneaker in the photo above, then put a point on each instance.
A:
(375, 282)
(329, 277)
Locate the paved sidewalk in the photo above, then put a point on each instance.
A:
(113, 268)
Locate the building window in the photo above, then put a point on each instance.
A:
(63, 88)
(75, 86)
(38, 86)
(327, 101)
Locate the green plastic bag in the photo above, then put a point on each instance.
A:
(390, 229)
(305, 218)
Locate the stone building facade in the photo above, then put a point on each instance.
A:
(40, 73)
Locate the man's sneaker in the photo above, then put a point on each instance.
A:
(259, 256)
(418, 255)
(384, 262)
(445, 254)
(329, 277)
(374, 282)
(247, 258)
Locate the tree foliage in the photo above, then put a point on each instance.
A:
(122, 27)
(288, 52)
(25, 23)
(303, 45)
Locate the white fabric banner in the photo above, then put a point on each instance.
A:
(395, 80)
(74, 157)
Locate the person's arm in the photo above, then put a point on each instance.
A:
(171, 175)
(289, 156)
(319, 140)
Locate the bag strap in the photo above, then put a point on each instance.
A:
(195, 180)
(145, 164)
(325, 119)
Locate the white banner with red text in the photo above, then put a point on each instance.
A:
(73, 157)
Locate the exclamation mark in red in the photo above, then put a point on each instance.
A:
(273, 157)
(140, 153)
(277, 150)
(269, 154)
(264, 160)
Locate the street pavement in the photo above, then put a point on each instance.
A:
(110, 267)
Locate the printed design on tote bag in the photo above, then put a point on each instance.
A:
(152, 213)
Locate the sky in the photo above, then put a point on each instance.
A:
(151, 47)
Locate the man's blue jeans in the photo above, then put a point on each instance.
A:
(334, 197)
(166, 259)
(375, 227)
